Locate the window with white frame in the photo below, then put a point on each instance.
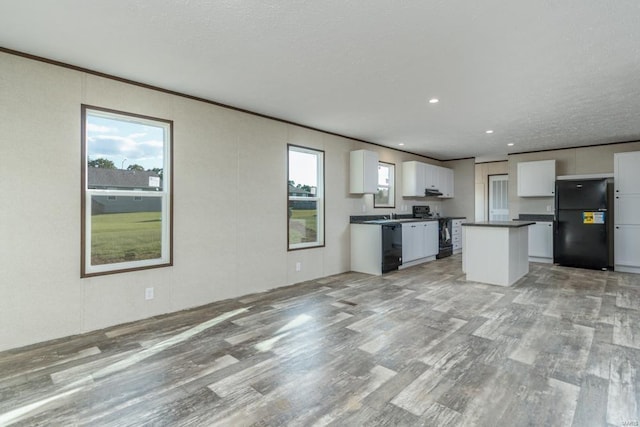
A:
(385, 195)
(126, 197)
(305, 197)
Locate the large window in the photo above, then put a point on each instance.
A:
(385, 196)
(305, 197)
(126, 192)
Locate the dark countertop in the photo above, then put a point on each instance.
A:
(503, 224)
(399, 219)
(535, 217)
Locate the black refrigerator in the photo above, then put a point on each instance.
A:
(580, 233)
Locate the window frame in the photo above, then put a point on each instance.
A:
(391, 186)
(319, 198)
(165, 194)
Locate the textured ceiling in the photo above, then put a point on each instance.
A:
(542, 73)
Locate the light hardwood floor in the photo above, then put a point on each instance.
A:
(415, 347)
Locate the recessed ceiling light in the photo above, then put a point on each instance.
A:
(489, 131)
(510, 144)
(401, 144)
(434, 101)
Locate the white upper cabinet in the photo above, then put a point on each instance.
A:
(626, 172)
(363, 172)
(445, 182)
(432, 177)
(537, 179)
(418, 176)
(413, 179)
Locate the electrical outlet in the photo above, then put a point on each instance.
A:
(364, 208)
(298, 266)
(549, 208)
(148, 293)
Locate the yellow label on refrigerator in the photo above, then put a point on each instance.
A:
(593, 217)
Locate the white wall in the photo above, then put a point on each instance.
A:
(229, 205)
(462, 204)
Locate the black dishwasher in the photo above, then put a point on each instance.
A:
(391, 247)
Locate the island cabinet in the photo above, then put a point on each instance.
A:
(537, 179)
(495, 252)
(363, 172)
(626, 233)
(419, 240)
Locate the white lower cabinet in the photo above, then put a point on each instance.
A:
(410, 242)
(626, 208)
(541, 242)
(419, 240)
(456, 234)
(627, 248)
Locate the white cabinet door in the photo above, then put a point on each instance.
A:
(626, 172)
(627, 208)
(537, 179)
(456, 233)
(445, 181)
(430, 238)
(411, 242)
(541, 240)
(627, 246)
(413, 179)
(432, 178)
(363, 172)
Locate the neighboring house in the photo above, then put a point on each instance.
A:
(300, 192)
(301, 204)
(120, 179)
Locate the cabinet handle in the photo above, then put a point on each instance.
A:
(617, 191)
(617, 228)
(549, 225)
(617, 197)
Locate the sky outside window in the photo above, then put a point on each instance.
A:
(124, 143)
(303, 168)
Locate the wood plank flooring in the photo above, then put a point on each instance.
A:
(420, 346)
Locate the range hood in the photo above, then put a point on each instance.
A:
(431, 192)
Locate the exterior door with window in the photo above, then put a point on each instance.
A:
(498, 197)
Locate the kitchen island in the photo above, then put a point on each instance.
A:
(495, 252)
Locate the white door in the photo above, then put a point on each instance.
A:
(498, 198)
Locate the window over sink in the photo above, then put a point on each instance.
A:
(385, 195)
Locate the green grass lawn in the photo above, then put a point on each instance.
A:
(303, 226)
(125, 237)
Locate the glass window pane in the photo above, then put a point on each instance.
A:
(303, 221)
(124, 153)
(383, 175)
(382, 196)
(303, 169)
(125, 229)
